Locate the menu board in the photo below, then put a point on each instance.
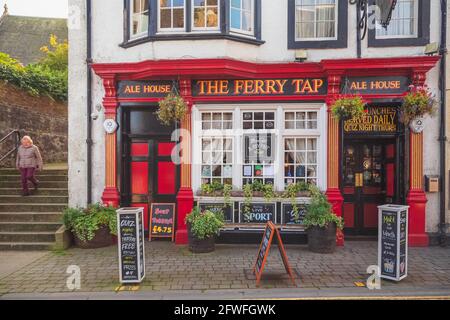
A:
(162, 220)
(393, 241)
(257, 213)
(226, 210)
(288, 215)
(131, 244)
(264, 250)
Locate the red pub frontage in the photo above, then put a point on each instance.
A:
(359, 165)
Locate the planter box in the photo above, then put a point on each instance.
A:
(200, 245)
(102, 238)
(322, 240)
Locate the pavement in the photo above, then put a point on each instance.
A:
(172, 272)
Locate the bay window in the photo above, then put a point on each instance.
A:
(206, 15)
(138, 18)
(242, 16)
(171, 15)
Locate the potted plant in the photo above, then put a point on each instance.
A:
(321, 223)
(416, 104)
(348, 107)
(202, 228)
(172, 109)
(92, 227)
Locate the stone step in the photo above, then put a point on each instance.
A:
(40, 178)
(27, 236)
(32, 207)
(26, 246)
(40, 192)
(33, 199)
(42, 184)
(29, 226)
(31, 217)
(13, 171)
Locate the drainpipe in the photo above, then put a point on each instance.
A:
(89, 141)
(443, 137)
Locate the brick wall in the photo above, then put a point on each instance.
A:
(41, 118)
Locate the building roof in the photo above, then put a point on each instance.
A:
(22, 37)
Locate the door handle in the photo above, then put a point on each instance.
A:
(358, 180)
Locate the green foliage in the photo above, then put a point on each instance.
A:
(216, 188)
(248, 196)
(171, 109)
(291, 193)
(348, 107)
(269, 192)
(227, 188)
(204, 224)
(417, 103)
(85, 222)
(319, 211)
(45, 78)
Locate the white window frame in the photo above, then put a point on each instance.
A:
(280, 133)
(200, 29)
(171, 30)
(130, 17)
(252, 17)
(336, 24)
(416, 26)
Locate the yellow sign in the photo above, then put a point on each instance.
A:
(377, 119)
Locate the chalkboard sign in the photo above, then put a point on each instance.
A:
(162, 220)
(264, 250)
(393, 241)
(131, 244)
(257, 213)
(227, 210)
(288, 216)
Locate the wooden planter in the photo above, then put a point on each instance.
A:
(200, 245)
(322, 240)
(102, 238)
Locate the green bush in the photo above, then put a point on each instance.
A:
(204, 224)
(319, 211)
(85, 222)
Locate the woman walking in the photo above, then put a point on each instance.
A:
(28, 161)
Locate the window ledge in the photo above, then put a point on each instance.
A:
(196, 36)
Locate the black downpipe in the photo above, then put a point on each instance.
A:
(358, 29)
(443, 137)
(89, 141)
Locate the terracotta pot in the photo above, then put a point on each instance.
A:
(200, 245)
(322, 240)
(102, 238)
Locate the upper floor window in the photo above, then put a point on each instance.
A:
(171, 15)
(315, 19)
(241, 16)
(138, 18)
(206, 15)
(403, 22)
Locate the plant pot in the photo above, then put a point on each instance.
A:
(237, 194)
(322, 240)
(200, 245)
(102, 238)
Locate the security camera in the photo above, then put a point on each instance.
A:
(94, 116)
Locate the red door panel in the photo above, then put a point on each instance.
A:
(165, 149)
(370, 215)
(139, 149)
(349, 215)
(166, 178)
(139, 177)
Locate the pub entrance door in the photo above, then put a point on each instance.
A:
(370, 178)
(149, 174)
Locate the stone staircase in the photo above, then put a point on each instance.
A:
(30, 223)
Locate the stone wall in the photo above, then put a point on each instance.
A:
(42, 118)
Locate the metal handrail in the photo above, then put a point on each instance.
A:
(16, 134)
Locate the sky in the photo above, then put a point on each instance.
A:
(36, 8)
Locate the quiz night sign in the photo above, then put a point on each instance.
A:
(259, 87)
(375, 120)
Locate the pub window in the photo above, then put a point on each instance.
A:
(403, 22)
(300, 160)
(217, 120)
(242, 16)
(300, 120)
(217, 160)
(258, 120)
(315, 19)
(205, 15)
(171, 15)
(139, 18)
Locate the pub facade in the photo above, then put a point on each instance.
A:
(256, 113)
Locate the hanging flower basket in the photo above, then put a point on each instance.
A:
(417, 103)
(172, 108)
(348, 107)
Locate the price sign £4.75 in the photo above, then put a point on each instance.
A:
(162, 220)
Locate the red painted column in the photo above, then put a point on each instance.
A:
(110, 193)
(333, 192)
(416, 198)
(185, 197)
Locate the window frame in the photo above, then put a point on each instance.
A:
(340, 41)
(252, 15)
(206, 29)
(128, 21)
(171, 30)
(422, 37)
(416, 26)
(336, 22)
